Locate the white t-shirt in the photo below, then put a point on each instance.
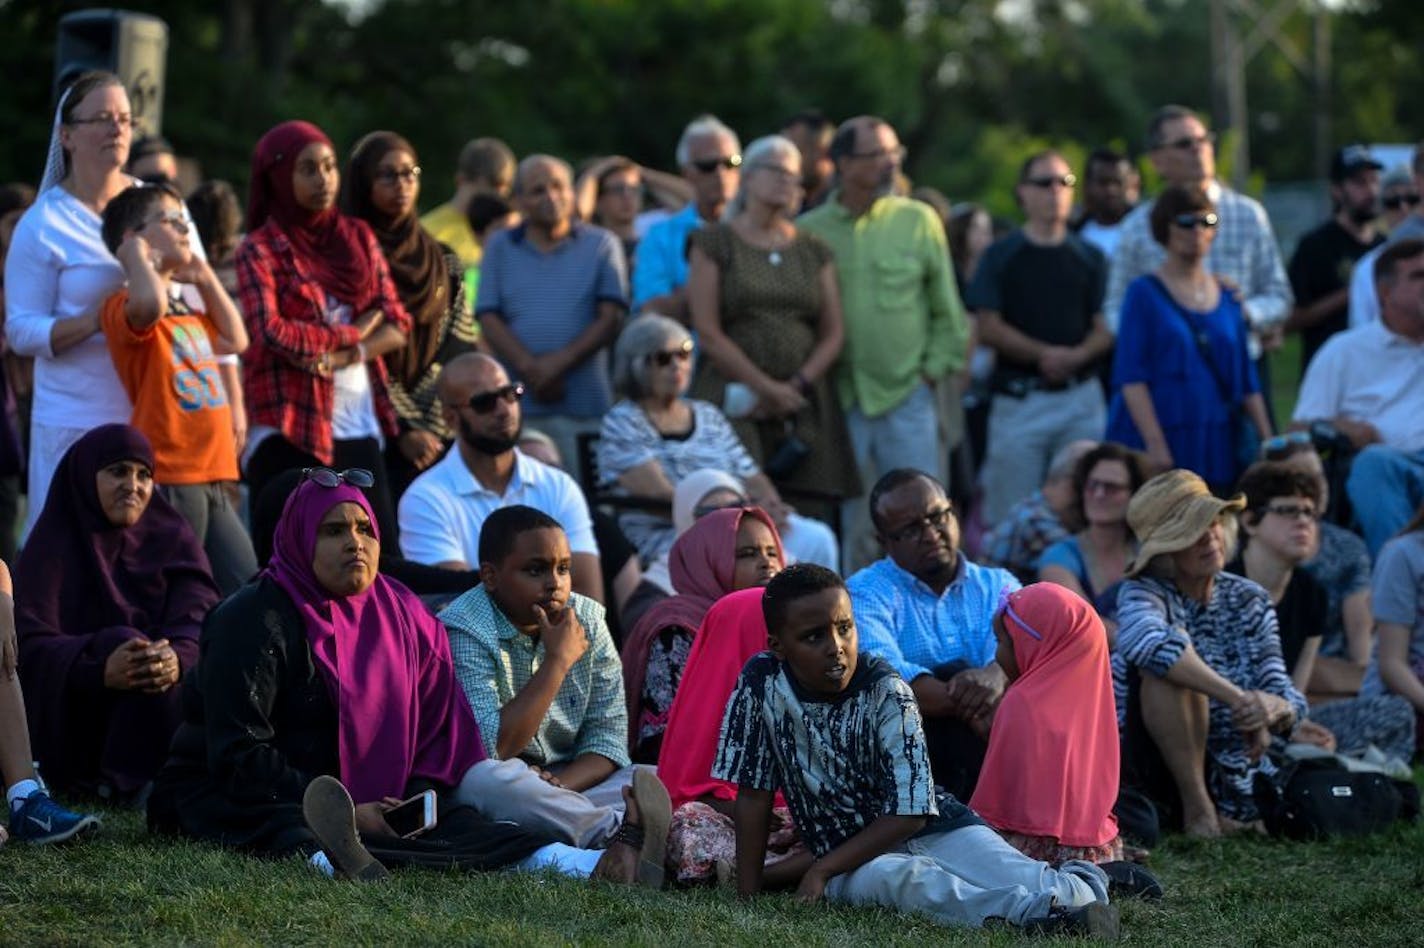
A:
(1104, 237)
(443, 509)
(1371, 374)
(353, 412)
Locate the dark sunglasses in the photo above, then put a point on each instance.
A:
(1048, 181)
(709, 165)
(326, 477)
(666, 357)
(1193, 221)
(1190, 142)
(1395, 201)
(485, 402)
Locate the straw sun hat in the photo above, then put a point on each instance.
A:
(1170, 512)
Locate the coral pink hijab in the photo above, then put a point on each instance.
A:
(1052, 765)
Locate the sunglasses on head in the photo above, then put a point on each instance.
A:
(326, 477)
(1282, 445)
(1193, 221)
(709, 165)
(485, 402)
(1395, 201)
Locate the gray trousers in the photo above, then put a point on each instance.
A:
(509, 790)
(966, 876)
(211, 515)
(1025, 433)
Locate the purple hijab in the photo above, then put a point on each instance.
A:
(83, 586)
(385, 658)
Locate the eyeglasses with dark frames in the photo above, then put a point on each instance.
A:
(393, 176)
(122, 120)
(934, 520)
(1190, 142)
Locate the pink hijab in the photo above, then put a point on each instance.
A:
(386, 662)
(1052, 764)
(733, 631)
(702, 564)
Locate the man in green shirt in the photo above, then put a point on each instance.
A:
(904, 324)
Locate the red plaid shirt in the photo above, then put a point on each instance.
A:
(286, 313)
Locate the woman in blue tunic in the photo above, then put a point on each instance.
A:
(1183, 381)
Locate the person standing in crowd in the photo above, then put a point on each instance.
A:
(1245, 251)
(905, 330)
(553, 293)
(1399, 196)
(321, 310)
(1321, 265)
(811, 132)
(1111, 187)
(165, 351)
(151, 160)
(614, 186)
(1366, 383)
(765, 305)
(485, 166)
(444, 511)
(1183, 380)
(58, 274)
(1039, 295)
(1398, 664)
(217, 215)
(709, 154)
(1364, 294)
(381, 187)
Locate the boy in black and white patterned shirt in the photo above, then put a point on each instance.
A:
(842, 739)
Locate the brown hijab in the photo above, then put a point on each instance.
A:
(417, 261)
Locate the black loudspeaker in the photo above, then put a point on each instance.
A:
(134, 46)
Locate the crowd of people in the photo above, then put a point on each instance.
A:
(720, 542)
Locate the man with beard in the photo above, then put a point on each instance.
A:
(928, 611)
(1320, 269)
(442, 511)
(811, 133)
(1111, 188)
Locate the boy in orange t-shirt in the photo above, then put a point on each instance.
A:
(164, 351)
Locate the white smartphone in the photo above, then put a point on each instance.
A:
(412, 817)
(738, 400)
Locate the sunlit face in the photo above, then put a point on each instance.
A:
(818, 642)
(620, 198)
(347, 554)
(166, 233)
(776, 180)
(1106, 492)
(491, 431)
(1204, 558)
(1288, 527)
(1045, 193)
(979, 235)
(758, 557)
(873, 164)
(537, 572)
(1184, 154)
(1402, 300)
(315, 178)
(546, 195)
(1191, 243)
(395, 184)
(668, 370)
(711, 170)
(917, 527)
(101, 129)
(125, 488)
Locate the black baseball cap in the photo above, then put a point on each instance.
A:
(1350, 159)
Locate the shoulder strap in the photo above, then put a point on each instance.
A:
(1199, 337)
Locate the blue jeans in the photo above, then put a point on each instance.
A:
(1386, 486)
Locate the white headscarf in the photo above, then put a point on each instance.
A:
(54, 161)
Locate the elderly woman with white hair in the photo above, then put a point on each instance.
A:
(765, 303)
(1208, 686)
(655, 437)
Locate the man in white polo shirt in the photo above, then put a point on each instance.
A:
(443, 509)
(1369, 383)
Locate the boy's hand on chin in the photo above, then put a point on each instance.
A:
(562, 633)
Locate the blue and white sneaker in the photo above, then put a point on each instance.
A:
(38, 820)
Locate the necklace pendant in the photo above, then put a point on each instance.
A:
(774, 258)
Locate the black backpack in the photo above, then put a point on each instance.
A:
(1314, 799)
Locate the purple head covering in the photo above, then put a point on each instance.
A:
(385, 659)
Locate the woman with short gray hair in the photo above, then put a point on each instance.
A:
(655, 436)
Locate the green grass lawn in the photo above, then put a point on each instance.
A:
(129, 887)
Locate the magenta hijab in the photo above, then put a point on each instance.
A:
(385, 658)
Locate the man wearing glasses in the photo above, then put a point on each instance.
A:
(1364, 298)
(710, 156)
(442, 511)
(928, 611)
(1244, 252)
(905, 329)
(1320, 266)
(1038, 294)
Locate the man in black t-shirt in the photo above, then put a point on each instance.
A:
(1324, 258)
(1038, 294)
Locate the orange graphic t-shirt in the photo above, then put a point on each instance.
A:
(179, 402)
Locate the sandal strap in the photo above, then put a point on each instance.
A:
(630, 834)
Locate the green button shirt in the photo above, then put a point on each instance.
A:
(904, 321)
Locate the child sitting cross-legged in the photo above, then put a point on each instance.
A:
(840, 736)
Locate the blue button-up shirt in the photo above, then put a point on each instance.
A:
(661, 258)
(902, 620)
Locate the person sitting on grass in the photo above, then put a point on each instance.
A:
(536, 659)
(164, 350)
(34, 816)
(1050, 777)
(327, 693)
(1398, 665)
(111, 590)
(840, 736)
(702, 841)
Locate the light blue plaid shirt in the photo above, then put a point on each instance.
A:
(900, 619)
(494, 661)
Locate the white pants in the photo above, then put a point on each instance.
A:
(968, 875)
(47, 446)
(509, 790)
